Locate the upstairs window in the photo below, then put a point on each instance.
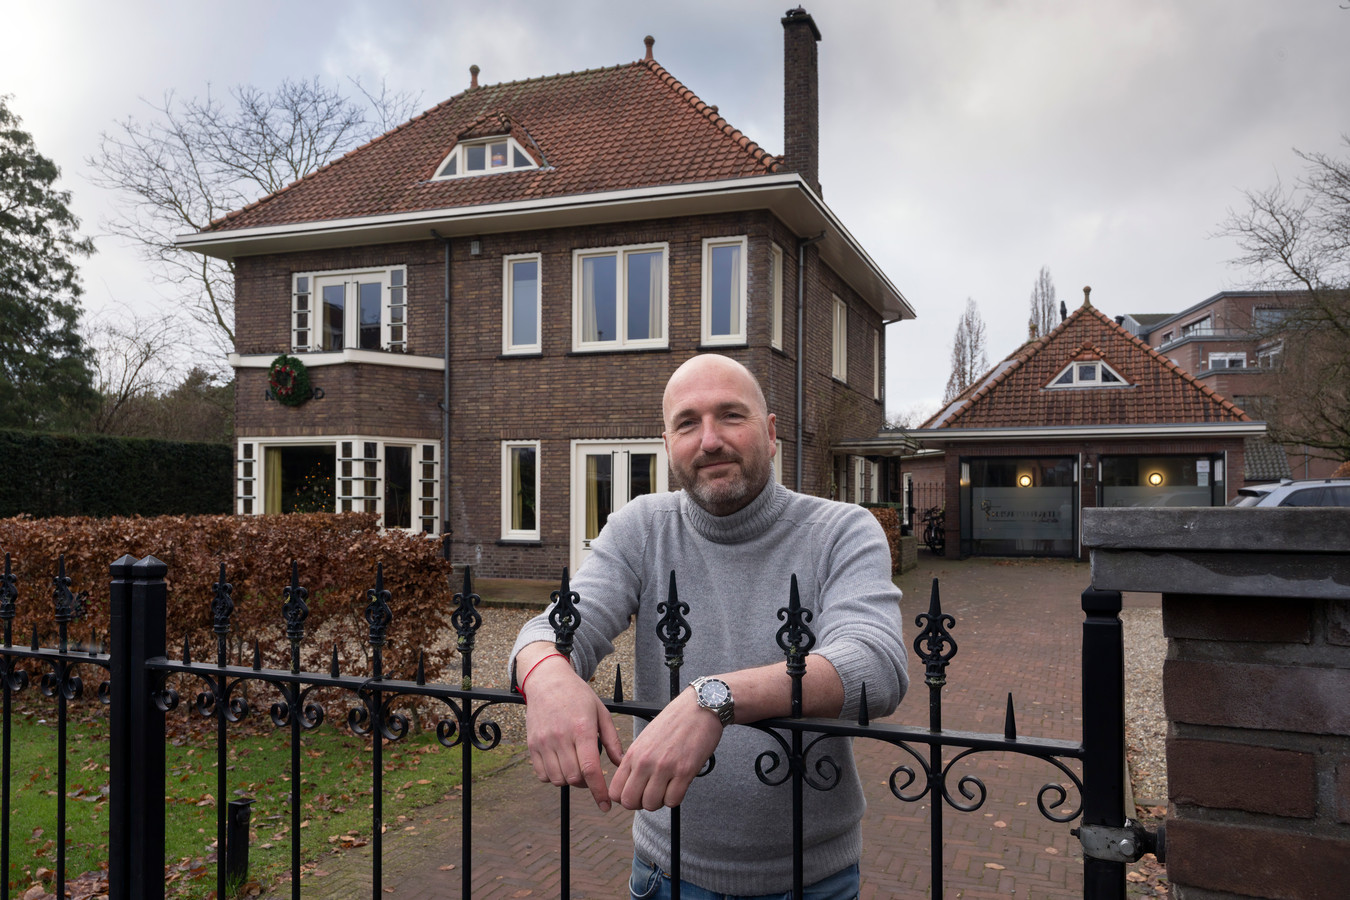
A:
(498, 154)
(365, 309)
(1228, 360)
(1271, 357)
(839, 343)
(776, 296)
(1198, 328)
(1268, 317)
(520, 304)
(724, 286)
(619, 298)
(1091, 373)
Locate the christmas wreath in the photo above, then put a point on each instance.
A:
(289, 380)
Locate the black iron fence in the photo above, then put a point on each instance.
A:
(1088, 784)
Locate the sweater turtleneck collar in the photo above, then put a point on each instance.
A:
(742, 525)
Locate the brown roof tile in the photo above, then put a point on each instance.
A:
(629, 126)
(1014, 392)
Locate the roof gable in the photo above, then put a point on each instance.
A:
(1017, 391)
(626, 127)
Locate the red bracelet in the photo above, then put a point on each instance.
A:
(520, 688)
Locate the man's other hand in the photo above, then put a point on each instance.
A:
(564, 722)
(664, 759)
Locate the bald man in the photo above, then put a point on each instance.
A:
(733, 537)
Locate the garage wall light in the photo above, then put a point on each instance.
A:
(1155, 478)
(1024, 480)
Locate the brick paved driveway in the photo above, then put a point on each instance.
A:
(1018, 629)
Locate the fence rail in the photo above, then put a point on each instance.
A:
(139, 692)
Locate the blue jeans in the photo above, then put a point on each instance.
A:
(648, 882)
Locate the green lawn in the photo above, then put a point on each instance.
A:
(336, 795)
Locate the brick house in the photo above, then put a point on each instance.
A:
(543, 253)
(1232, 342)
(1086, 416)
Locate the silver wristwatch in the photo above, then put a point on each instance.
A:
(714, 695)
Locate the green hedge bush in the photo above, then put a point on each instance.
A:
(45, 475)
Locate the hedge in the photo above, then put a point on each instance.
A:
(336, 555)
(45, 475)
(890, 523)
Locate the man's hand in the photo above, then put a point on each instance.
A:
(564, 721)
(664, 759)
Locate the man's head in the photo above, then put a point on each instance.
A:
(719, 433)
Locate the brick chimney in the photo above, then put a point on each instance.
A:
(801, 97)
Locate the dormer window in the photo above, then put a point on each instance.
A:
(1089, 373)
(498, 154)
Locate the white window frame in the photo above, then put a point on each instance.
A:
(1270, 357)
(248, 478)
(1077, 382)
(839, 341)
(459, 156)
(508, 532)
(425, 459)
(1227, 359)
(858, 468)
(621, 342)
(776, 296)
(876, 364)
(307, 312)
(874, 482)
(737, 335)
(509, 306)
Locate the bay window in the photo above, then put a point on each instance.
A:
(397, 479)
(365, 309)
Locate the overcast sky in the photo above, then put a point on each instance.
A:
(965, 143)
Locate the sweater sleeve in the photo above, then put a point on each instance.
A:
(608, 586)
(861, 632)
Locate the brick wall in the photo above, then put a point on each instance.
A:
(556, 396)
(1256, 609)
(560, 396)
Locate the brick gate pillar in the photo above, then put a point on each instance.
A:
(1256, 610)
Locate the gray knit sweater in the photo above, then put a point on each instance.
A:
(734, 572)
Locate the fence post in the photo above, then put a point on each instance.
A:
(1103, 735)
(138, 601)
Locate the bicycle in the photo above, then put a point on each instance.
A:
(934, 530)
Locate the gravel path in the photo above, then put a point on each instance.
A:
(1145, 721)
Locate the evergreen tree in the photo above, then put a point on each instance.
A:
(45, 378)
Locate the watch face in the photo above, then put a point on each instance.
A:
(713, 693)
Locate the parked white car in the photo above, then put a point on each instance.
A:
(1318, 492)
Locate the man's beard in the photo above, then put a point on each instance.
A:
(725, 496)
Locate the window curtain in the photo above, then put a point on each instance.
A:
(272, 480)
(517, 505)
(734, 292)
(654, 316)
(590, 330)
(592, 497)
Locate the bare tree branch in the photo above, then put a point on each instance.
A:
(1297, 239)
(192, 161)
(969, 356)
(1043, 307)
